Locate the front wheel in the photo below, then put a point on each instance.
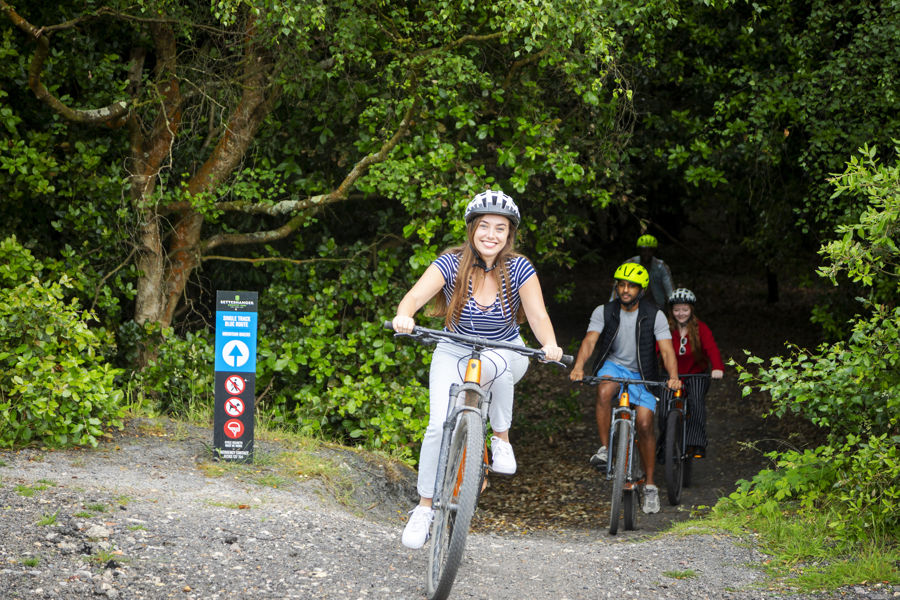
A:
(621, 458)
(674, 456)
(459, 493)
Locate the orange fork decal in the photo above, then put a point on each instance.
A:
(459, 474)
(473, 371)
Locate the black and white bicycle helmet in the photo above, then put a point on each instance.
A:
(493, 202)
(682, 296)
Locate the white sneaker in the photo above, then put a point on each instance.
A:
(651, 499)
(599, 459)
(418, 527)
(503, 461)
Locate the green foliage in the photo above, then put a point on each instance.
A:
(857, 486)
(851, 389)
(867, 250)
(325, 363)
(178, 378)
(56, 388)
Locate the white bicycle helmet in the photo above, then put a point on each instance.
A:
(682, 296)
(493, 202)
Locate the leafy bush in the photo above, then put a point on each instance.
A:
(858, 487)
(179, 377)
(851, 389)
(56, 388)
(325, 364)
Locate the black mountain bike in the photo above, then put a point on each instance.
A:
(463, 460)
(675, 422)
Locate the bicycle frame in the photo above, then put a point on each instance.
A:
(468, 396)
(625, 486)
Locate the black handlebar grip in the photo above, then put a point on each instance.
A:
(567, 360)
(389, 325)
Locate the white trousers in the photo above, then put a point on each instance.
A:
(500, 370)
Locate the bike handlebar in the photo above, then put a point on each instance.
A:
(432, 336)
(593, 380)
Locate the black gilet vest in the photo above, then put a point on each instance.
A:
(646, 339)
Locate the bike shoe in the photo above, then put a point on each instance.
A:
(503, 460)
(651, 499)
(418, 527)
(599, 459)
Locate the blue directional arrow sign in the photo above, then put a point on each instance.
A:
(236, 341)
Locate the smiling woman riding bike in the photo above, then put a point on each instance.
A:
(481, 288)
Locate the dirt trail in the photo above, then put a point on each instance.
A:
(557, 491)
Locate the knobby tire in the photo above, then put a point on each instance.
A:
(619, 476)
(674, 456)
(451, 523)
(631, 500)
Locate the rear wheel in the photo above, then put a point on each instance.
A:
(459, 494)
(674, 456)
(621, 458)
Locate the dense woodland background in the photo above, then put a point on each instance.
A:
(321, 152)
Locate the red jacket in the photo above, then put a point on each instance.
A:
(686, 362)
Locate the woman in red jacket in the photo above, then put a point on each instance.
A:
(697, 352)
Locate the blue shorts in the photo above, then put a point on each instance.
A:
(640, 396)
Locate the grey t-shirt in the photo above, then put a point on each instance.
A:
(624, 347)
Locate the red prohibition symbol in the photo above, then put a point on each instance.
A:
(234, 385)
(234, 407)
(234, 428)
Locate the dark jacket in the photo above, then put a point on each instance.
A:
(648, 366)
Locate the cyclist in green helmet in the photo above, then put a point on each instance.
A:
(660, 275)
(627, 332)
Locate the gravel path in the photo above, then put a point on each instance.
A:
(137, 518)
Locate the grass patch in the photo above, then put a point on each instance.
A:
(25, 491)
(281, 469)
(686, 574)
(136, 528)
(802, 552)
(48, 519)
(97, 507)
(84, 514)
(31, 561)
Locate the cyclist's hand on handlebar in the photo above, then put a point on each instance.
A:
(552, 352)
(403, 324)
(576, 374)
(717, 373)
(673, 383)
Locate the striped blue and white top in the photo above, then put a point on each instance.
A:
(492, 322)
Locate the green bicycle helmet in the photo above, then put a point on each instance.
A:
(647, 241)
(634, 273)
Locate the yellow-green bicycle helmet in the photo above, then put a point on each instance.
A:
(634, 273)
(647, 241)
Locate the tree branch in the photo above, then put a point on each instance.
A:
(293, 206)
(111, 115)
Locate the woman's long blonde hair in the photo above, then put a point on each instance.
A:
(451, 311)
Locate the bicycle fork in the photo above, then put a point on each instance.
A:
(622, 413)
